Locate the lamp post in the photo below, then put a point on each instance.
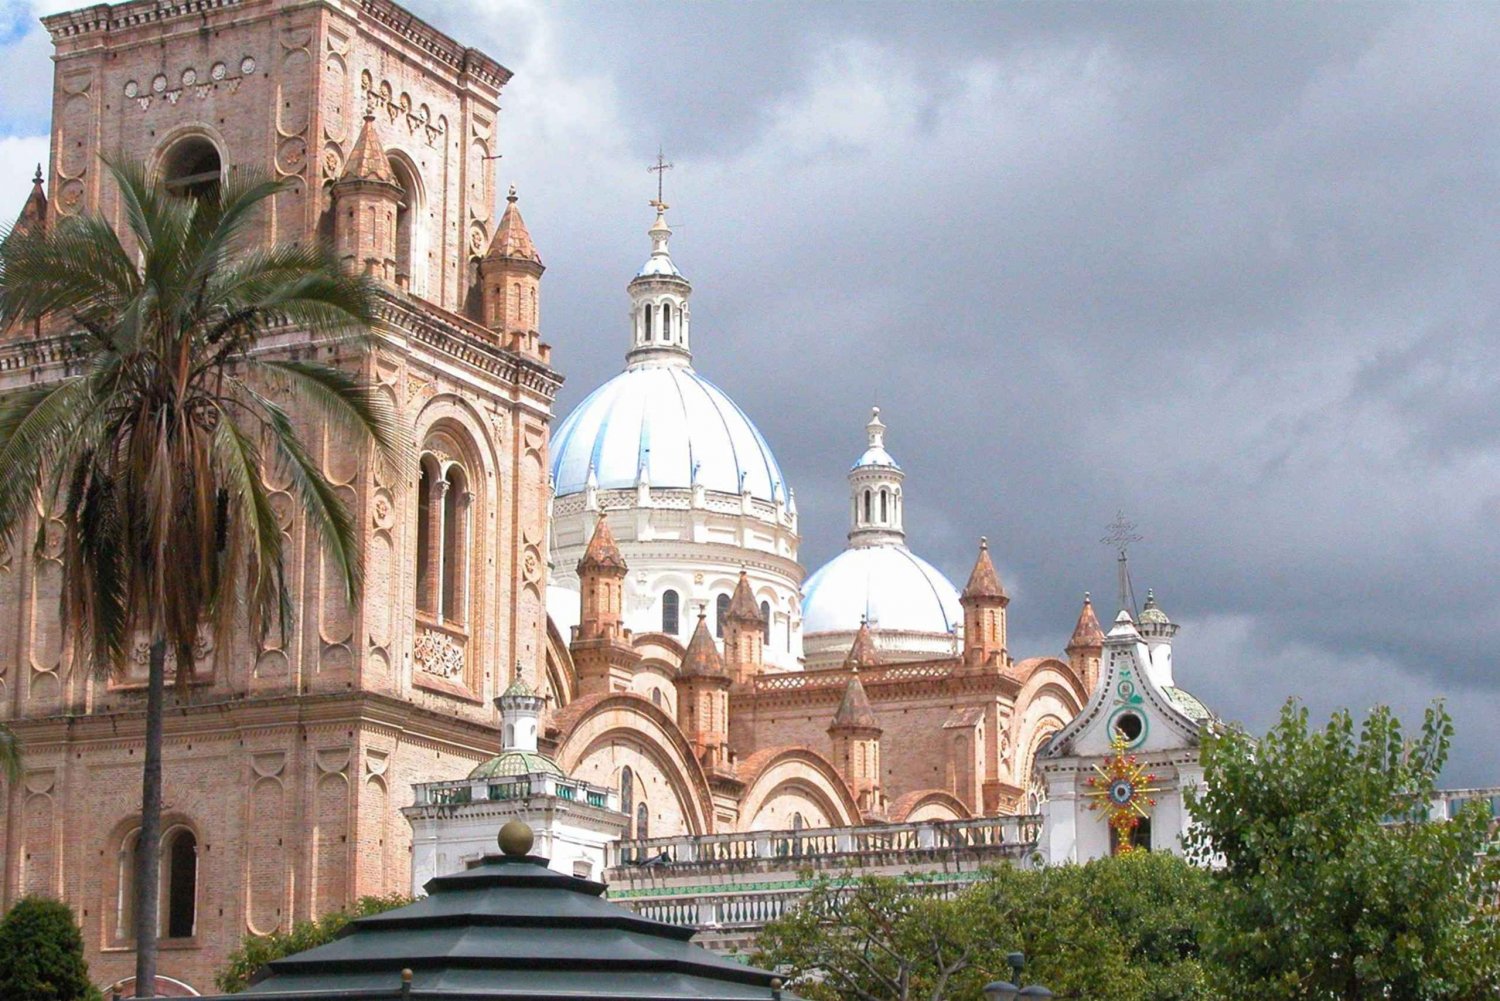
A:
(1006, 990)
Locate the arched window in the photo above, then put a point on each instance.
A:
(125, 889)
(867, 507)
(192, 168)
(797, 822)
(627, 796)
(884, 516)
(642, 822)
(656, 697)
(721, 613)
(666, 321)
(510, 735)
(179, 896)
(428, 499)
(670, 603)
(455, 546)
(408, 212)
(646, 313)
(765, 623)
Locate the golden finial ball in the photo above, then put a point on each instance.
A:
(516, 838)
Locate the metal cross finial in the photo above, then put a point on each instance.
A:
(1121, 535)
(659, 168)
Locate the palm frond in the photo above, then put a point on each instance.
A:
(319, 501)
(357, 409)
(259, 542)
(34, 423)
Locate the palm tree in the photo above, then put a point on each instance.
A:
(10, 754)
(151, 451)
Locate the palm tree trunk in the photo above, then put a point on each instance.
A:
(147, 849)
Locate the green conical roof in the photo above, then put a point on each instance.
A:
(511, 928)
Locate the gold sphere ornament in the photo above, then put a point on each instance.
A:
(516, 838)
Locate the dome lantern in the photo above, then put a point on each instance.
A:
(659, 314)
(875, 492)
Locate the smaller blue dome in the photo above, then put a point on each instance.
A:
(876, 455)
(890, 584)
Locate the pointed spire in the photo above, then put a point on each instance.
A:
(854, 711)
(367, 160)
(602, 553)
(512, 240)
(742, 606)
(33, 215)
(1086, 634)
(984, 582)
(702, 658)
(863, 652)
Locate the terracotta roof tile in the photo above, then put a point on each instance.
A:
(984, 582)
(367, 160)
(1087, 633)
(742, 606)
(602, 553)
(855, 710)
(863, 652)
(512, 239)
(702, 657)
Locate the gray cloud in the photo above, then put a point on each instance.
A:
(1232, 268)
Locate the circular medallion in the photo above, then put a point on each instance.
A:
(247, 66)
(132, 88)
(218, 71)
(189, 77)
(159, 83)
(1121, 792)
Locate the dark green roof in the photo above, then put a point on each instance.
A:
(509, 764)
(511, 928)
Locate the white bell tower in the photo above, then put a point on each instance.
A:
(875, 492)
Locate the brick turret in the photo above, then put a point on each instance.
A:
(984, 601)
(366, 200)
(601, 646)
(703, 698)
(855, 734)
(1086, 646)
(510, 279)
(744, 633)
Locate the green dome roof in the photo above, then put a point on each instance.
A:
(510, 764)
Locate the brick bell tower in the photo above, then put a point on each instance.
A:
(286, 770)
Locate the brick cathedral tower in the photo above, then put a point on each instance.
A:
(287, 762)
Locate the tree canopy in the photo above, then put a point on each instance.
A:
(1120, 928)
(1328, 883)
(41, 954)
(258, 950)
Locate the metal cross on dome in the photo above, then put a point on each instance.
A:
(659, 168)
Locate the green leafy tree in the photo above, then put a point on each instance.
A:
(1119, 928)
(151, 450)
(1331, 883)
(41, 954)
(258, 950)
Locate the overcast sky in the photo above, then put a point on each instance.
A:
(1231, 269)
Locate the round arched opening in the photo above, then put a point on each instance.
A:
(192, 168)
(1130, 726)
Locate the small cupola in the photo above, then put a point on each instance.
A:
(875, 492)
(660, 317)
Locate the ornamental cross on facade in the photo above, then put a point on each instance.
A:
(1121, 534)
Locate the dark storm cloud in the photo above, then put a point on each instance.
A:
(1232, 268)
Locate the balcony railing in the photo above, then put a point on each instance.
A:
(833, 845)
(464, 792)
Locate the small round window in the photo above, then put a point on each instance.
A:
(1130, 726)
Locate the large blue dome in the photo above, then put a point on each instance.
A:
(670, 419)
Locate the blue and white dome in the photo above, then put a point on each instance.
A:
(673, 423)
(895, 588)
